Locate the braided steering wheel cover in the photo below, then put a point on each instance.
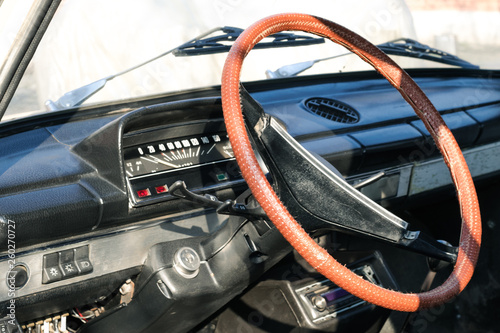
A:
(316, 256)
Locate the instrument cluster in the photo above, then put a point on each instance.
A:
(155, 160)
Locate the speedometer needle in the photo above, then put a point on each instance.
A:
(157, 160)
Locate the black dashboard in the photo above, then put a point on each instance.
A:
(89, 189)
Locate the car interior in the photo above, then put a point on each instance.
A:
(166, 213)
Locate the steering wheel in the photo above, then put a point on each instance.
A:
(294, 233)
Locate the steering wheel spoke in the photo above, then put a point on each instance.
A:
(317, 195)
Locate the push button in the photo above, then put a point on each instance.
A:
(82, 259)
(67, 263)
(51, 270)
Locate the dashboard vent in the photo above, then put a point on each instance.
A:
(332, 110)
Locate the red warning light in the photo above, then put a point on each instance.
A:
(161, 189)
(143, 193)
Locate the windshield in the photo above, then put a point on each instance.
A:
(91, 39)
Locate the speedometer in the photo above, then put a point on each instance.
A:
(203, 161)
(176, 154)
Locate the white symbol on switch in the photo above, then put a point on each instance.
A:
(69, 268)
(53, 272)
(85, 264)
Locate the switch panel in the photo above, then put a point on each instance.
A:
(66, 264)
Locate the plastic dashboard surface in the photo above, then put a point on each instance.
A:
(69, 179)
(81, 182)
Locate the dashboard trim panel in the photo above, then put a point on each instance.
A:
(115, 251)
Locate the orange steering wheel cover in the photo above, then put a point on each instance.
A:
(470, 240)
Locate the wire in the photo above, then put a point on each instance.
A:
(78, 315)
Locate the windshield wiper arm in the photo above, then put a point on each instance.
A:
(79, 95)
(405, 47)
(196, 46)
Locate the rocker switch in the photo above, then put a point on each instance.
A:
(67, 263)
(51, 270)
(82, 259)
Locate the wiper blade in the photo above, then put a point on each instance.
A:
(405, 47)
(216, 44)
(196, 46)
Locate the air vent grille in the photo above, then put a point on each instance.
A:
(332, 110)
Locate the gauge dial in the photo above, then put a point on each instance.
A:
(176, 154)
